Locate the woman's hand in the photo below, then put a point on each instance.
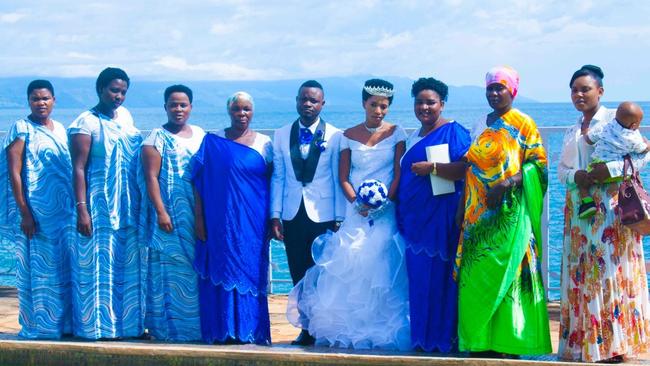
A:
(583, 179)
(84, 224)
(422, 168)
(276, 229)
(495, 194)
(362, 209)
(460, 211)
(28, 225)
(598, 173)
(199, 229)
(165, 222)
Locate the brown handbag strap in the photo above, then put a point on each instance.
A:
(627, 164)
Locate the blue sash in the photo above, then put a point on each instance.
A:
(233, 184)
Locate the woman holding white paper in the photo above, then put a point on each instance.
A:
(426, 219)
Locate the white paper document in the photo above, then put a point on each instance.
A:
(439, 154)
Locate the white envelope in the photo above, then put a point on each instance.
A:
(439, 154)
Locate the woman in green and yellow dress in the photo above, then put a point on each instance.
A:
(502, 303)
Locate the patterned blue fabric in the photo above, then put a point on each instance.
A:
(172, 289)
(108, 288)
(43, 268)
(427, 224)
(233, 263)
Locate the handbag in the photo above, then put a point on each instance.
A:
(633, 201)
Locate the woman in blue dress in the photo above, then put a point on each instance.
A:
(37, 213)
(231, 177)
(108, 296)
(427, 223)
(167, 222)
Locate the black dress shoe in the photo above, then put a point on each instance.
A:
(304, 339)
(486, 354)
(615, 359)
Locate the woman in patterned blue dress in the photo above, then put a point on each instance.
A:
(167, 222)
(37, 213)
(108, 296)
(231, 176)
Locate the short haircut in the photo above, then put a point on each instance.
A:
(376, 83)
(178, 88)
(311, 84)
(239, 95)
(588, 70)
(109, 74)
(39, 84)
(430, 84)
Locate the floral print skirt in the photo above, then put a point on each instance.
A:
(604, 292)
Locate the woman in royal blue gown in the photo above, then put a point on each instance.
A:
(427, 223)
(231, 176)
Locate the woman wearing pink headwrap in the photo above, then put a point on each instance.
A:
(501, 299)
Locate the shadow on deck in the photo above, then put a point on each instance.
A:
(73, 351)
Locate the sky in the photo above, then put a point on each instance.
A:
(456, 41)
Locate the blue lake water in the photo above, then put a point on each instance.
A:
(545, 114)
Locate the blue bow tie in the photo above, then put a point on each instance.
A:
(305, 136)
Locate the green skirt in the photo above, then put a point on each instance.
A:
(502, 302)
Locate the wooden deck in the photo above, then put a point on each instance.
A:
(72, 351)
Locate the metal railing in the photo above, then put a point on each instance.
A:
(553, 158)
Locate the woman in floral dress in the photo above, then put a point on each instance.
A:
(603, 286)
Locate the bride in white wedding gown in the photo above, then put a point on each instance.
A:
(356, 295)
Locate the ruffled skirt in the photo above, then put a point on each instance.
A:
(356, 296)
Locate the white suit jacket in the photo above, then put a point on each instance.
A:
(323, 197)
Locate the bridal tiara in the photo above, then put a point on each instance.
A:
(379, 91)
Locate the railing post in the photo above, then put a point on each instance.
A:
(545, 246)
(545, 255)
(269, 285)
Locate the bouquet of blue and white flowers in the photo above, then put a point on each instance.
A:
(372, 197)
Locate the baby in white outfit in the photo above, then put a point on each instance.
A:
(612, 141)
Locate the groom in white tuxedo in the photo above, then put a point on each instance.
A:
(306, 199)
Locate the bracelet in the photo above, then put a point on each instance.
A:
(511, 182)
(80, 203)
(435, 168)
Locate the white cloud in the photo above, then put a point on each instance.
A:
(12, 18)
(217, 70)
(368, 3)
(395, 40)
(69, 38)
(80, 56)
(176, 35)
(456, 40)
(222, 28)
(77, 70)
(453, 3)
